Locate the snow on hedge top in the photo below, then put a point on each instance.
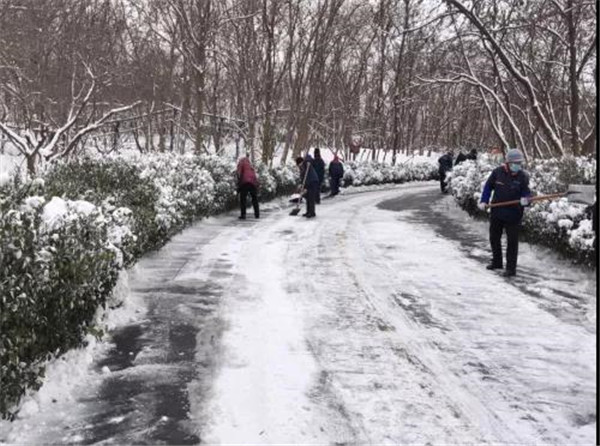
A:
(57, 210)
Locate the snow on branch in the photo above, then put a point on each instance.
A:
(51, 151)
(513, 70)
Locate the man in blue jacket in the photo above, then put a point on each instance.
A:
(311, 183)
(509, 182)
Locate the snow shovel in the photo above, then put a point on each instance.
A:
(576, 193)
(296, 210)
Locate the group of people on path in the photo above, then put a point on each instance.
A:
(507, 182)
(312, 177)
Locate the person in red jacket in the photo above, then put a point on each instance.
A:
(247, 184)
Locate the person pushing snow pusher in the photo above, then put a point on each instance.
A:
(309, 185)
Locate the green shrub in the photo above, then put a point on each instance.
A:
(52, 281)
(112, 183)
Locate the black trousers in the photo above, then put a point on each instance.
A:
(246, 189)
(334, 183)
(443, 180)
(318, 196)
(512, 243)
(311, 196)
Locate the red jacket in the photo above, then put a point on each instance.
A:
(245, 173)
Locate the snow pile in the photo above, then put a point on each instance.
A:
(563, 225)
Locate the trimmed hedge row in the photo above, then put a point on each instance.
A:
(373, 172)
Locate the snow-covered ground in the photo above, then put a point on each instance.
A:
(374, 323)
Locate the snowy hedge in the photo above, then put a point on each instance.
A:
(373, 172)
(559, 224)
(65, 236)
(57, 267)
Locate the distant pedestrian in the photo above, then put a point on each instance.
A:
(508, 182)
(319, 166)
(460, 158)
(247, 184)
(472, 155)
(336, 173)
(311, 184)
(445, 163)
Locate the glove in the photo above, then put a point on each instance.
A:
(525, 201)
(482, 206)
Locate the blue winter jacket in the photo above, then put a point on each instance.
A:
(312, 177)
(507, 186)
(336, 169)
(445, 162)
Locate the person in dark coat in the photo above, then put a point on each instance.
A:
(472, 155)
(445, 162)
(336, 173)
(460, 158)
(508, 182)
(319, 166)
(311, 183)
(247, 184)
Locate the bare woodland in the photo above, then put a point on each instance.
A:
(280, 76)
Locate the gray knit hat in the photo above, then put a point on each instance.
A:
(514, 156)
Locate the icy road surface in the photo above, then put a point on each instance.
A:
(375, 323)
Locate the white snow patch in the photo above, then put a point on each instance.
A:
(54, 211)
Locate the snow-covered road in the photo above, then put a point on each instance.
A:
(375, 323)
